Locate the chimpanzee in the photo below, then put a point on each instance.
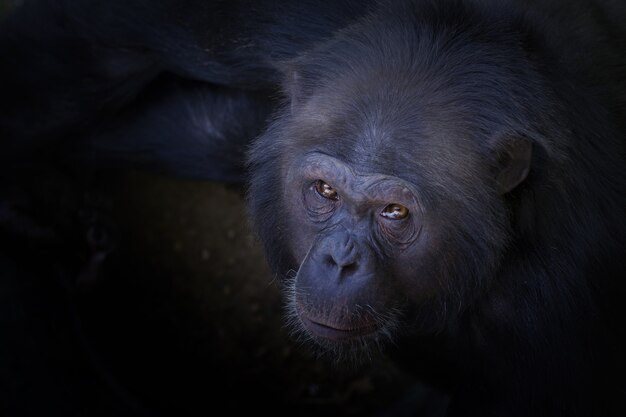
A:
(443, 181)
(448, 178)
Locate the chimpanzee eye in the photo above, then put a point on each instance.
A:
(395, 212)
(326, 190)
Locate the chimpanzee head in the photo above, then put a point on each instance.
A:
(383, 190)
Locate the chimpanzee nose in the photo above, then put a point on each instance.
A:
(341, 252)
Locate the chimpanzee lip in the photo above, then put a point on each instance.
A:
(335, 333)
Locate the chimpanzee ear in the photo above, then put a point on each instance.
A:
(512, 163)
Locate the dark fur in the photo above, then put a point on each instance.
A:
(89, 67)
(527, 319)
(519, 310)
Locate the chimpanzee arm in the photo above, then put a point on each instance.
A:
(181, 127)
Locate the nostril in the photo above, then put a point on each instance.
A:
(348, 267)
(329, 260)
(345, 263)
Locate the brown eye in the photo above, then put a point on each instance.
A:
(395, 212)
(326, 190)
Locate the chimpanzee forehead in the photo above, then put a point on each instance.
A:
(429, 81)
(382, 132)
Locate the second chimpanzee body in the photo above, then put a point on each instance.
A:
(442, 180)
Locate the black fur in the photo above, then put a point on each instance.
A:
(526, 317)
(514, 305)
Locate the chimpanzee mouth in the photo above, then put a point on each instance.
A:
(343, 335)
(335, 333)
